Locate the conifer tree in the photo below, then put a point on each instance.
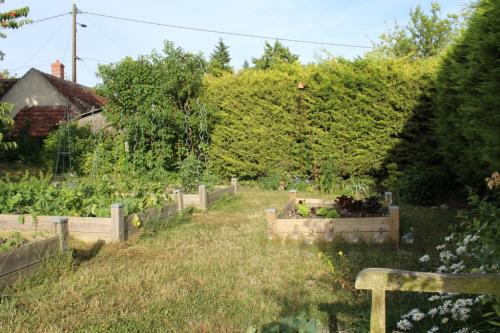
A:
(273, 55)
(246, 65)
(219, 60)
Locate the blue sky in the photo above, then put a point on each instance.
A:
(105, 40)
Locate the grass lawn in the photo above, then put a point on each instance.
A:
(214, 273)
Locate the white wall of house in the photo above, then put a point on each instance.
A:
(95, 121)
(33, 89)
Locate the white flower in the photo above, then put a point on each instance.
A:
(480, 298)
(469, 239)
(444, 320)
(460, 310)
(445, 307)
(424, 258)
(441, 247)
(433, 329)
(432, 312)
(461, 250)
(418, 316)
(433, 298)
(446, 256)
(404, 325)
(458, 267)
(442, 269)
(448, 238)
(463, 330)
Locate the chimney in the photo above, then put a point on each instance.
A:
(57, 69)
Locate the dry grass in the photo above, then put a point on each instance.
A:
(216, 274)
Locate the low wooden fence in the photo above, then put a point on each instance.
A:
(27, 259)
(380, 280)
(203, 198)
(118, 227)
(371, 230)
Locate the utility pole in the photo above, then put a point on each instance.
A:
(74, 56)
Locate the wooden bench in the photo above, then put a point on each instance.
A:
(379, 280)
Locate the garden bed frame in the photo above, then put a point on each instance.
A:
(27, 259)
(349, 229)
(118, 227)
(203, 198)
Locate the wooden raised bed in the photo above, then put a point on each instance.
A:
(370, 230)
(27, 259)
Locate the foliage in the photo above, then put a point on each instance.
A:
(78, 197)
(329, 179)
(219, 60)
(274, 55)
(13, 19)
(328, 212)
(255, 123)
(350, 116)
(271, 182)
(303, 210)
(467, 100)
(14, 241)
(191, 173)
(423, 36)
(472, 248)
(78, 139)
(153, 102)
(6, 122)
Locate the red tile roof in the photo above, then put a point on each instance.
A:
(84, 98)
(39, 121)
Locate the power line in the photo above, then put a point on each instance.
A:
(50, 18)
(45, 44)
(224, 32)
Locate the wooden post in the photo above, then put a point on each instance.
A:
(377, 316)
(292, 195)
(378, 280)
(387, 199)
(203, 194)
(234, 184)
(394, 216)
(271, 221)
(117, 222)
(179, 199)
(62, 230)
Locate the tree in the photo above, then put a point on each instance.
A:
(423, 36)
(153, 102)
(246, 65)
(274, 55)
(12, 19)
(467, 102)
(219, 60)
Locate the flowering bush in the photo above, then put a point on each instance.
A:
(474, 249)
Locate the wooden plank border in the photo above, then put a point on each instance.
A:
(371, 230)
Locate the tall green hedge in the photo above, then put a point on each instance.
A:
(467, 98)
(256, 124)
(350, 112)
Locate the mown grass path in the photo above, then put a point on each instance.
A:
(218, 273)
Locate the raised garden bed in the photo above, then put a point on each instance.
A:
(26, 251)
(319, 220)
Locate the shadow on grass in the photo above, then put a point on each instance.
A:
(85, 254)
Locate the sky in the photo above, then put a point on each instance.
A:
(106, 40)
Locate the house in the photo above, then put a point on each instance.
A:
(42, 101)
